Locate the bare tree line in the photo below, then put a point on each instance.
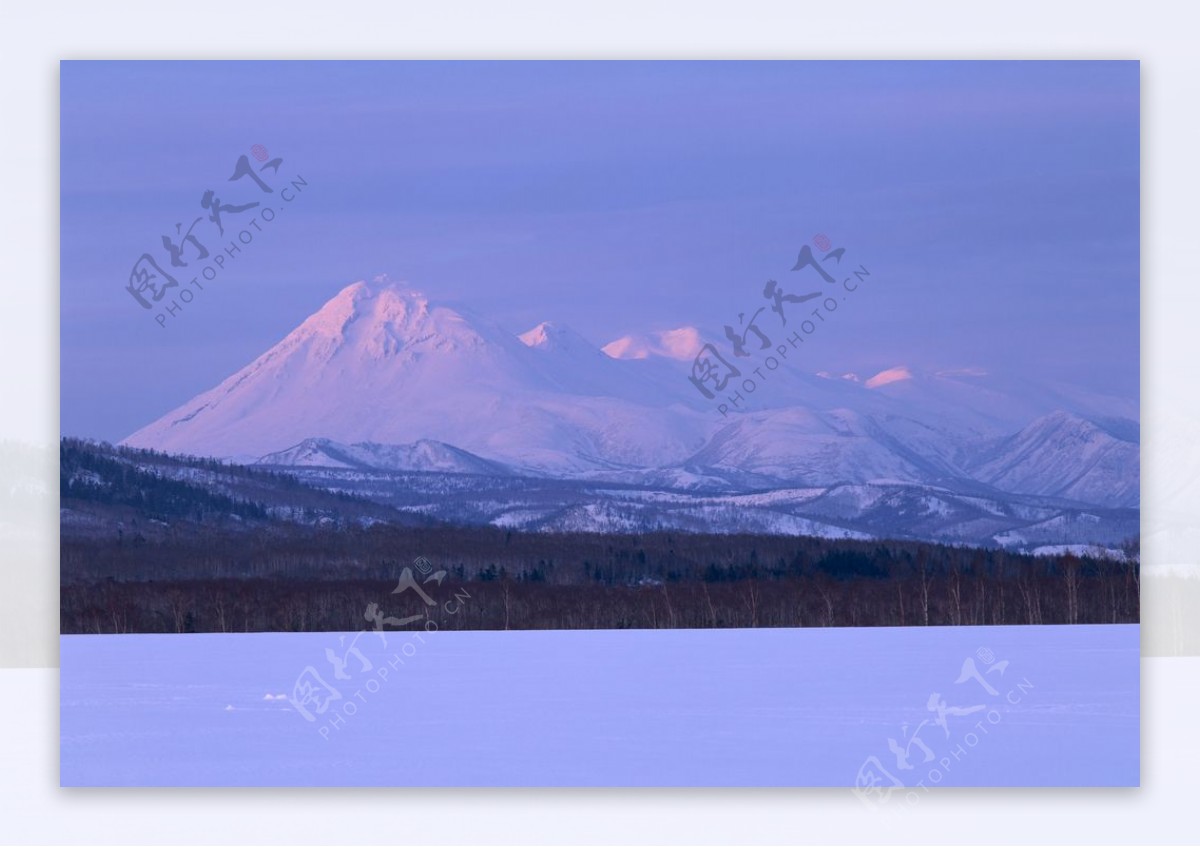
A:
(934, 586)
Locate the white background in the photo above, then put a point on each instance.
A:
(34, 36)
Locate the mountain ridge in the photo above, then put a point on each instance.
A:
(381, 377)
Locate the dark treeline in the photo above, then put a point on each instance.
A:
(139, 493)
(86, 474)
(312, 579)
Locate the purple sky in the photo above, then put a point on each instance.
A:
(995, 203)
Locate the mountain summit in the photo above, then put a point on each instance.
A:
(381, 363)
(382, 376)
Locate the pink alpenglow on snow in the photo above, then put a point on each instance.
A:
(384, 365)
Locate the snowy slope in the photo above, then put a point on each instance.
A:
(382, 364)
(381, 377)
(680, 344)
(1063, 455)
(424, 455)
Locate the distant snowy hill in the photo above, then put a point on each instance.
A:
(424, 455)
(382, 378)
(682, 344)
(1062, 455)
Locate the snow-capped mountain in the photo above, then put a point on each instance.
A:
(382, 378)
(382, 364)
(681, 344)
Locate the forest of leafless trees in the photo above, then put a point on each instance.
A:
(304, 579)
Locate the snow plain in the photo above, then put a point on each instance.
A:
(768, 707)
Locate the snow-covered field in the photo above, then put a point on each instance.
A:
(961, 706)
